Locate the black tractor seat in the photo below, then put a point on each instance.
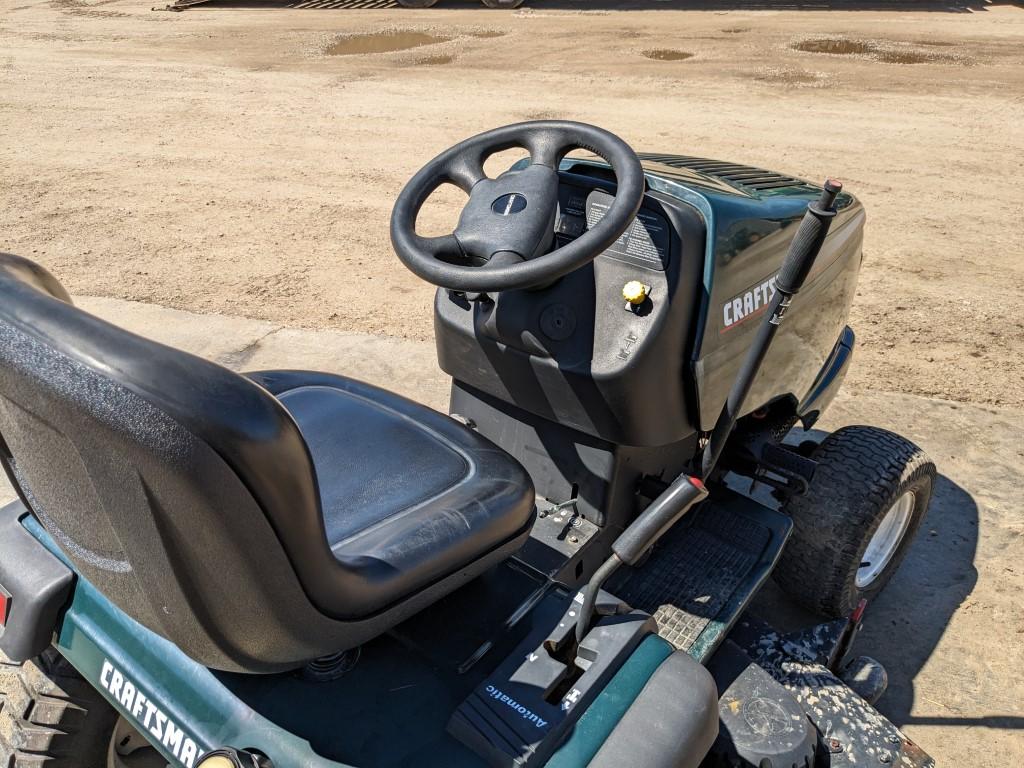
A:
(256, 521)
(407, 494)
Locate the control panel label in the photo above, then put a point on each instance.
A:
(646, 241)
(508, 701)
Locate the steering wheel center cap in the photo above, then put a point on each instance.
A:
(510, 204)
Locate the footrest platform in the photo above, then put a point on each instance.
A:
(700, 577)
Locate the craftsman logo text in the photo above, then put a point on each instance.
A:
(748, 304)
(153, 721)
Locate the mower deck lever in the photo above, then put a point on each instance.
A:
(798, 264)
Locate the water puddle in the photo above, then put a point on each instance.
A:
(796, 78)
(905, 57)
(435, 61)
(382, 42)
(890, 53)
(839, 45)
(666, 54)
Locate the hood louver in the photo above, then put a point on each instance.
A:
(744, 176)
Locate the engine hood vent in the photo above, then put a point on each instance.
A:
(745, 177)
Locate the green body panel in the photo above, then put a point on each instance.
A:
(94, 631)
(99, 640)
(604, 714)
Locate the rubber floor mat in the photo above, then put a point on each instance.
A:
(702, 574)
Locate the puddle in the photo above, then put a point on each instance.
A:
(835, 45)
(435, 61)
(666, 54)
(905, 57)
(382, 42)
(736, 30)
(890, 53)
(796, 78)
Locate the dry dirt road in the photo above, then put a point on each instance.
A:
(230, 161)
(223, 160)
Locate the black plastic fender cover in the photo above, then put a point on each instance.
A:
(38, 584)
(761, 724)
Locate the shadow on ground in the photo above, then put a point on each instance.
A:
(903, 627)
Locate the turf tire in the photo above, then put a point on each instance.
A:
(50, 717)
(862, 472)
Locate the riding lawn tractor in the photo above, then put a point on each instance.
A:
(295, 569)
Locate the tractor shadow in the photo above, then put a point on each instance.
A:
(904, 625)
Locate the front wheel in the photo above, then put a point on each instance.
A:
(852, 528)
(502, 3)
(417, 3)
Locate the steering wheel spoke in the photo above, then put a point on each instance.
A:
(444, 247)
(548, 148)
(466, 172)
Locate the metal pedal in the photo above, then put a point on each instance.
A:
(784, 461)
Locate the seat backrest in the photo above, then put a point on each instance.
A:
(165, 478)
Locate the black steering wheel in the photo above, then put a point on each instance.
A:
(508, 223)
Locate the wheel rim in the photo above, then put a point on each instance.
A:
(886, 541)
(128, 749)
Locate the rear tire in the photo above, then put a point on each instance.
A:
(868, 497)
(50, 717)
(417, 3)
(503, 3)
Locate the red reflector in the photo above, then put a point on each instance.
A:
(858, 612)
(697, 482)
(5, 606)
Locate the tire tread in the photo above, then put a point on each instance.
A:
(50, 717)
(861, 470)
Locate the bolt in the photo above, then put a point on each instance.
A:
(574, 539)
(894, 739)
(885, 757)
(834, 746)
(542, 513)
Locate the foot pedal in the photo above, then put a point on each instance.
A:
(796, 469)
(701, 576)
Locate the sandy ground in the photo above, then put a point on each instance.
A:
(219, 161)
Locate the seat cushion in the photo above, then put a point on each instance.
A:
(408, 495)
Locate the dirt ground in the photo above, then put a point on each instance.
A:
(217, 160)
(222, 160)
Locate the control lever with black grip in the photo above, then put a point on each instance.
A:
(808, 241)
(638, 538)
(799, 262)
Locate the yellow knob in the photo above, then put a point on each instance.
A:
(218, 761)
(634, 292)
